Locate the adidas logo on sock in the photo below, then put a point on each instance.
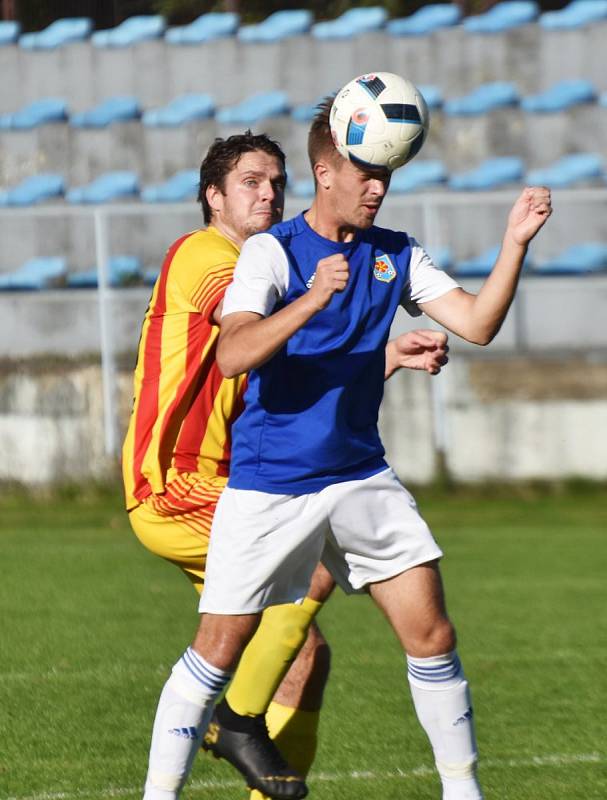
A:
(465, 717)
(185, 733)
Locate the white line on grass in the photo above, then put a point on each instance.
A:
(551, 760)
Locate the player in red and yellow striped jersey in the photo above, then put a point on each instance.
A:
(177, 449)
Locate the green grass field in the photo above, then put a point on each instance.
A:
(91, 624)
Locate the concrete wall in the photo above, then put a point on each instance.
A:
(504, 420)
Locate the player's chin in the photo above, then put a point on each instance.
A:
(367, 216)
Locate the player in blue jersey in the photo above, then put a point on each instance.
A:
(308, 314)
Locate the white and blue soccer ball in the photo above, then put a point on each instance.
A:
(379, 120)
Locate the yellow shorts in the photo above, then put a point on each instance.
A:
(176, 524)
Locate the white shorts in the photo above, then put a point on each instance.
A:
(264, 547)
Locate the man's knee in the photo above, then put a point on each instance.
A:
(220, 639)
(433, 638)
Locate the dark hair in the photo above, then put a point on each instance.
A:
(222, 157)
(320, 139)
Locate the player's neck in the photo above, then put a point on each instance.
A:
(325, 224)
(227, 232)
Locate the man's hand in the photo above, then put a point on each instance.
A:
(331, 276)
(529, 214)
(422, 349)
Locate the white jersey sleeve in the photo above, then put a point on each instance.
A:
(261, 277)
(426, 281)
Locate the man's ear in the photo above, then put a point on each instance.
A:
(323, 172)
(214, 197)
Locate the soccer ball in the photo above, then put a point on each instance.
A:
(379, 120)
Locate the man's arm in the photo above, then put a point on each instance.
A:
(247, 340)
(478, 318)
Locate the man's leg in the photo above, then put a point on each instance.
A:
(414, 604)
(275, 654)
(188, 698)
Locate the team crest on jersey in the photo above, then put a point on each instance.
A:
(384, 269)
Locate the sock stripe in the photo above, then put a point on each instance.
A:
(433, 672)
(204, 673)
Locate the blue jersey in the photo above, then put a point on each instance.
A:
(311, 411)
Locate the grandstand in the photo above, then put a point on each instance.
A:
(102, 133)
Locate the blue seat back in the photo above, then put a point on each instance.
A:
(58, 33)
(561, 96)
(351, 23)
(568, 171)
(483, 99)
(577, 259)
(181, 110)
(35, 274)
(181, 186)
(35, 190)
(577, 14)
(503, 16)
(417, 175)
(425, 20)
(114, 109)
(9, 32)
(279, 25)
(132, 30)
(255, 108)
(40, 112)
(492, 173)
(214, 25)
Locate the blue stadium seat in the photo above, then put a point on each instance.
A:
(568, 171)
(305, 112)
(277, 26)
(426, 20)
(37, 273)
(9, 32)
(301, 188)
(577, 14)
(114, 109)
(150, 276)
(40, 112)
(181, 186)
(181, 110)
(255, 108)
(561, 96)
(432, 95)
(418, 175)
(122, 271)
(442, 257)
(214, 25)
(577, 259)
(58, 33)
(503, 16)
(34, 190)
(483, 99)
(603, 100)
(105, 188)
(491, 174)
(351, 23)
(483, 264)
(131, 31)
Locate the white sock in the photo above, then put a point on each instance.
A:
(442, 702)
(182, 717)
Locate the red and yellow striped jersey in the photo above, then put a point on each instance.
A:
(183, 406)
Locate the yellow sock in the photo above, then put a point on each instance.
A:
(295, 733)
(268, 656)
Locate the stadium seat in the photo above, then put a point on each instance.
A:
(214, 25)
(577, 14)
(181, 186)
(577, 259)
(418, 175)
(425, 20)
(114, 109)
(490, 174)
(432, 95)
(37, 273)
(131, 31)
(481, 265)
(568, 171)
(483, 99)
(105, 188)
(122, 271)
(34, 190)
(40, 112)
(301, 188)
(561, 96)
(351, 23)
(58, 33)
(503, 16)
(180, 111)
(277, 26)
(603, 100)
(255, 108)
(441, 257)
(150, 276)
(9, 32)
(305, 112)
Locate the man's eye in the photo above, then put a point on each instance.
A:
(250, 182)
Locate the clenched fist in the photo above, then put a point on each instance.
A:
(331, 276)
